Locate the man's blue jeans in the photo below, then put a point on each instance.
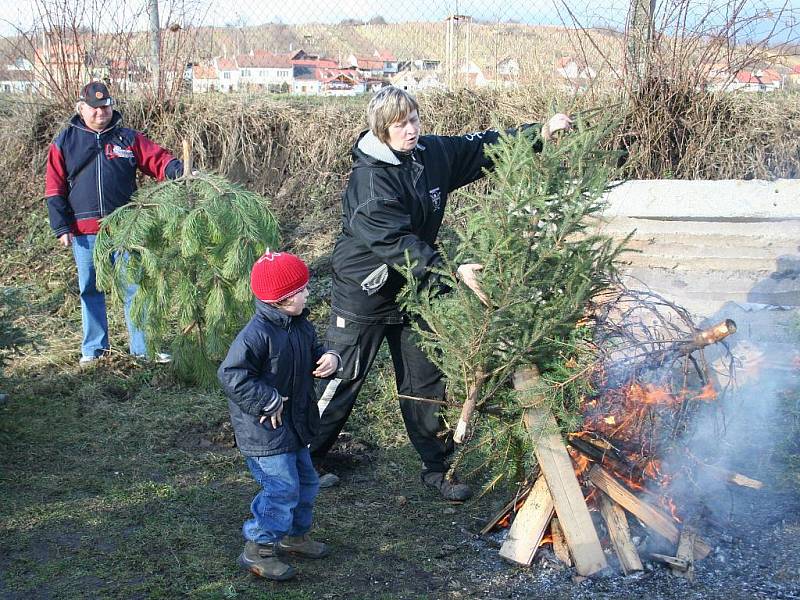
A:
(284, 506)
(93, 304)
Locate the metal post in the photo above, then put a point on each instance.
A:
(640, 31)
(155, 45)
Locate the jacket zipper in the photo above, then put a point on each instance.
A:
(99, 176)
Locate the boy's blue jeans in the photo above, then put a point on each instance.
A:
(93, 304)
(284, 506)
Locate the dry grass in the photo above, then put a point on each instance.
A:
(296, 151)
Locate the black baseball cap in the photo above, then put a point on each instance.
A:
(95, 94)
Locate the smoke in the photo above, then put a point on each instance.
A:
(745, 431)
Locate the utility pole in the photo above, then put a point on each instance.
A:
(155, 46)
(640, 35)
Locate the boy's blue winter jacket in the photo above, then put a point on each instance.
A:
(274, 352)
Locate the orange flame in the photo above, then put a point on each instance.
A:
(708, 393)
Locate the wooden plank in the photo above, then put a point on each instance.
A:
(652, 518)
(672, 561)
(518, 498)
(686, 553)
(560, 548)
(730, 476)
(620, 534)
(556, 466)
(529, 525)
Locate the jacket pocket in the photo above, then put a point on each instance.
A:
(346, 344)
(375, 280)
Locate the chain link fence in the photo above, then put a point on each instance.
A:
(318, 47)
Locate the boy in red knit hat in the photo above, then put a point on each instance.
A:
(268, 376)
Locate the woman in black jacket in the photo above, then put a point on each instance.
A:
(392, 209)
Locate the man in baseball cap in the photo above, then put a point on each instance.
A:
(91, 171)
(95, 94)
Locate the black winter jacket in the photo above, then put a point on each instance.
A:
(393, 205)
(273, 353)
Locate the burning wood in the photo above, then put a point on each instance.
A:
(645, 400)
(685, 552)
(709, 336)
(559, 473)
(619, 532)
(560, 548)
(729, 476)
(652, 518)
(511, 506)
(529, 525)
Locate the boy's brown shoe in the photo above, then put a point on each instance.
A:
(304, 546)
(261, 560)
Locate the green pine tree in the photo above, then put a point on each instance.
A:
(12, 338)
(191, 244)
(543, 264)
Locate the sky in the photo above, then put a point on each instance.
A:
(604, 13)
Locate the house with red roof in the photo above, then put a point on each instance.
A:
(390, 64)
(770, 79)
(227, 74)
(262, 70)
(204, 78)
(792, 78)
(367, 65)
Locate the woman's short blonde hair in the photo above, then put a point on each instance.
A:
(389, 105)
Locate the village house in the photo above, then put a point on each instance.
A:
(369, 66)
(18, 77)
(341, 82)
(227, 74)
(58, 65)
(414, 81)
(204, 78)
(577, 74)
(770, 78)
(793, 78)
(390, 65)
(126, 75)
(261, 70)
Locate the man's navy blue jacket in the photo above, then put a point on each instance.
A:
(90, 174)
(273, 355)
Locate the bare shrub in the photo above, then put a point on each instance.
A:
(677, 78)
(71, 43)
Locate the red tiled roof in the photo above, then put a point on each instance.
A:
(226, 64)
(746, 77)
(385, 55)
(370, 64)
(769, 76)
(327, 63)
(204, 72)
(263, 60)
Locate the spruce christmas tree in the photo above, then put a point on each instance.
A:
(542, 265)
(191, 244)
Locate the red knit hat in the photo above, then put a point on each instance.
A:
(278, 275)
